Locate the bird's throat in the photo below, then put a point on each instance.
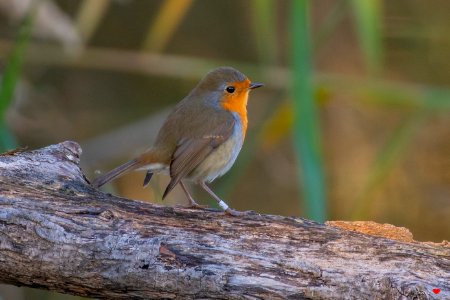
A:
(238, 105)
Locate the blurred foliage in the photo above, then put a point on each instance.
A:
(166, 22)
(307, 137)
(390, 153)
(353, 121)
(89, 15)
(9, 79)
(368, 25)
(263, 14)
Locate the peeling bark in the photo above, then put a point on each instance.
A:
(59, 233)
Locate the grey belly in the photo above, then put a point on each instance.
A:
(220, 160)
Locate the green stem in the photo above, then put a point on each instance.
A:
(307, 137)
(10, 77)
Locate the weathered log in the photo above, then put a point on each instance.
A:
(59, 233)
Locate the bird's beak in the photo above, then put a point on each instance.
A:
(255, 85)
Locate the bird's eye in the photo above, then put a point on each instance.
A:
(230, 89)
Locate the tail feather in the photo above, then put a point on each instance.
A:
(114, 173)
(148, 177)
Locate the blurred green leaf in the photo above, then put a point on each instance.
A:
(10, 77)
(330, 22)
(388, 93)
(368, 24)
(264, 28)
(169, 17)
(278, 125)
(7, 140)
(89, 16)
(386, 159)
(307, 137)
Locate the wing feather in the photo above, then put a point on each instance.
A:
(190, 152)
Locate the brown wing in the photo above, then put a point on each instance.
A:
(190, 152)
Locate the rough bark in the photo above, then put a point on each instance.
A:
(59, 233)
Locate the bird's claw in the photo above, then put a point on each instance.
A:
(237, 213)
(197, 206)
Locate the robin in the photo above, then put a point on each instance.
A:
(201, 138)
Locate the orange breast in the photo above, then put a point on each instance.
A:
(237, 103)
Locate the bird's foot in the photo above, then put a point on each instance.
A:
(237, 213)
(192, 206)
(195, 205)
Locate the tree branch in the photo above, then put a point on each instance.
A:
(59, 233)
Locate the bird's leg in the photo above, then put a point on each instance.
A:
(221, 203)
(192, 202)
